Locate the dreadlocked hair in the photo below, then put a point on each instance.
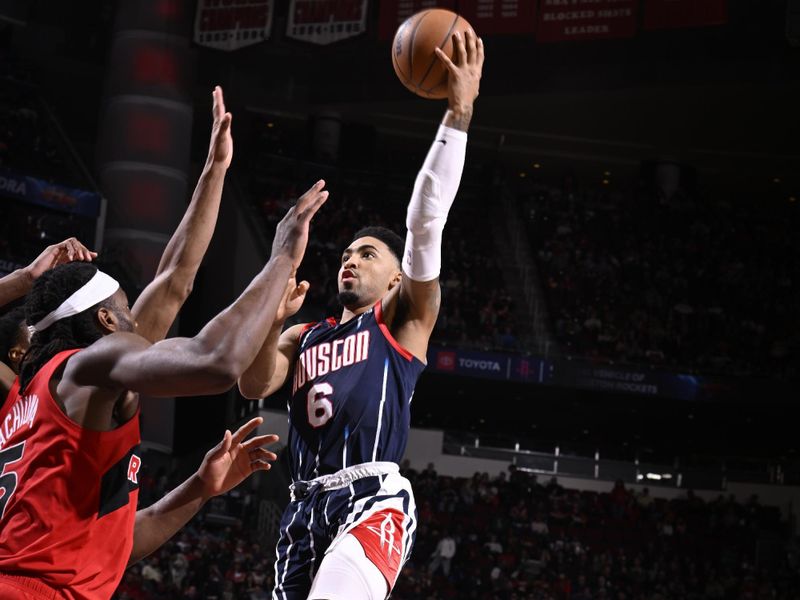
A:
(11, 324)
(78, 331)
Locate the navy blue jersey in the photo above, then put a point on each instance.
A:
(351, 396)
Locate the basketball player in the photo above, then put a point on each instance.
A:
(158, 304)
(68, 444)
(351, 522)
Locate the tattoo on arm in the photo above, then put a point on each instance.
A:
(458, 119)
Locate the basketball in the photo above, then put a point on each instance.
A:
(413, 47)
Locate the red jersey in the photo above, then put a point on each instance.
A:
(67, 494)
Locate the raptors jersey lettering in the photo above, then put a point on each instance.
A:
(351, 396)
(67, 494)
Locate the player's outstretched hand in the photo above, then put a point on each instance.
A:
(292, 300)
(220, 148)
(232, 461)
(464, 70)
(70, 250)
(291, 235)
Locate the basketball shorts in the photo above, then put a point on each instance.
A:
(370, 502)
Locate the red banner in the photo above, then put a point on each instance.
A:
(394, 12)
(232, 24)
(671, 14)
(326, 21)
(488, 17)
(565, 20)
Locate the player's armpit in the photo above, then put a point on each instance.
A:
(420, 300)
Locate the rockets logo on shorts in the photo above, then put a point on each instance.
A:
(381, 536)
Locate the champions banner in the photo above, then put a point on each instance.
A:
(673, 14)
(49, 195)
(394, 12)
(568, 20)
(326, 21)
(490, 17)
(232, 24)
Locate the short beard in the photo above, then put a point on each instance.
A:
(347, 298)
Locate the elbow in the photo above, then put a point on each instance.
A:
(250, 389)
(221, 375)
(181, 286)
(180, 283)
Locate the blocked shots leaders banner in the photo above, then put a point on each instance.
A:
(232, 24)
(576, 20)
(490, 17)
(326, 21)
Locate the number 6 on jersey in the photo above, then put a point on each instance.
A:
(319, 408)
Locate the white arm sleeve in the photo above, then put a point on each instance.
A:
(434, 191)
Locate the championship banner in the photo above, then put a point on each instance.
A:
(673, 14)
(490, 17)
(568, 20)
(232, 24)
(394, 12)
(56, 197)
(326, 21)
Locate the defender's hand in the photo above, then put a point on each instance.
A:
(230, 462)
(69, 250)
(291, 235)
(220, 148)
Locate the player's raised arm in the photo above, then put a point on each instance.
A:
(159, 303)
(213, 360)
(271, 367)
(434, 191)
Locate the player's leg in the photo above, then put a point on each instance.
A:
(347, 574)
(364, 563)
(294, 555)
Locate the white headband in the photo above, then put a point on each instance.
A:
(97, 289)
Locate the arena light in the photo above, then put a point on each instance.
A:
(537, 166)
(654, 476)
